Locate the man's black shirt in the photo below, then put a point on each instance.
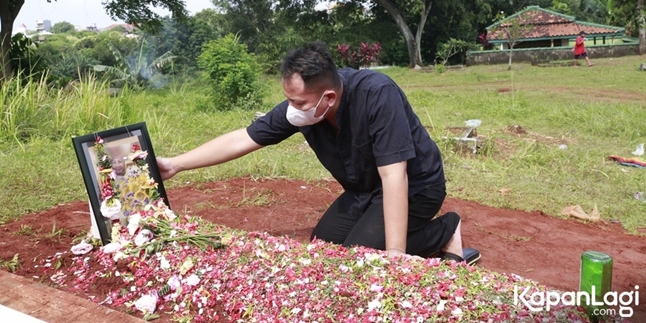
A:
(377, 127)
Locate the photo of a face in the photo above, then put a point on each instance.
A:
(119, 165)
(119, 157)
(118, 152)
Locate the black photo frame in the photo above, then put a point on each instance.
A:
(87, 158)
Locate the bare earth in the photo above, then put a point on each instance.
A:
(530, 244)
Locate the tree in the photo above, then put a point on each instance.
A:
(62, 27)
(97, 46)
(250, 20)
(26, 60)
(184, 39)
(139, 12)
(215, 21)
(268, 27)
(459, 20)
(641, 21)
(9, 10)
(54, 46)
(412, 15)
(513, 34)
(413, 42)
(514, 29)
(450, 48)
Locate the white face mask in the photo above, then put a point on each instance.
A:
(300, 118)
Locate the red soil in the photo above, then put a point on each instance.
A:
(531, 244)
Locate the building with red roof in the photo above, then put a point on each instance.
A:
(540, 27)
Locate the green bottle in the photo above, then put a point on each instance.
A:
(596, 270)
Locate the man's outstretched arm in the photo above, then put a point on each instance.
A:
(216, 151)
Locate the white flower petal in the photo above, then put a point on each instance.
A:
(192, 280)
(174, 282)
(146, 303)
(164, 263)
(111, 247)
(374, 304)
(440, 306)
(376, 288)
(81, 248)
(111, 211)
(133, 223)
(143, 236)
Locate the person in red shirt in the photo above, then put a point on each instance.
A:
(579, 49)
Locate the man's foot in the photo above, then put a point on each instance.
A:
(590, 65)
(470, 256)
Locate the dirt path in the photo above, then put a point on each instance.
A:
(530, 244)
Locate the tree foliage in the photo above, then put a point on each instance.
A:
(641, 25)
(138, 12)
(141, 13)
(451, 48)
(96, 46)
(137, 71)
(185, 39)
(62, 27)
(266, 27)
(26, 62)
(410, 32)
(513, 31)
(69, 66)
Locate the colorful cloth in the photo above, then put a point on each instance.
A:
(634, 162)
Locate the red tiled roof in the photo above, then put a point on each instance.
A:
(541, 23)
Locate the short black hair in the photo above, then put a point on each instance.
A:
(314, 63)
(582, 32)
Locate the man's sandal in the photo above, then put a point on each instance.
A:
(471, 256)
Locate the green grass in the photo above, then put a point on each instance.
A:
(596, 112)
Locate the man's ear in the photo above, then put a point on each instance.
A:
(331, 97)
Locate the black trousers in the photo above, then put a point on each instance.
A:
(344, 223)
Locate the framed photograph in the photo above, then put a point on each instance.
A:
(120, 174)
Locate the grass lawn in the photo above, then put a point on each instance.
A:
(546, 135)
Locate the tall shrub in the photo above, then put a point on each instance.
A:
(234, 74)
(366, 55)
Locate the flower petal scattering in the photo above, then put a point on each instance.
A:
(256, 277)
(159, 261)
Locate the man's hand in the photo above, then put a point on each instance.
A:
(392, 253)
(166, 167)
(395, 253)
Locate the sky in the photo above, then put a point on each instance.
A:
(82, 13)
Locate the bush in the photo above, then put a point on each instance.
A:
(233, 73)
(25, 61)
(366, 55)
